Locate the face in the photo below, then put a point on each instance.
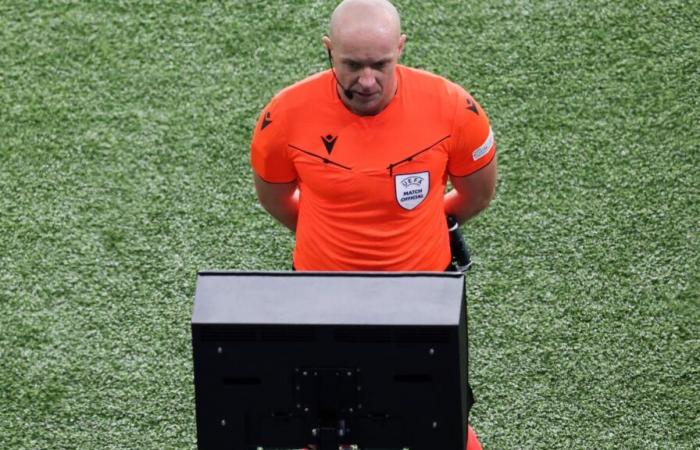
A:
(366, 65)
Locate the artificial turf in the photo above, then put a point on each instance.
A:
(124, 132)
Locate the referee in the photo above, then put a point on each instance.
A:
(355, 159)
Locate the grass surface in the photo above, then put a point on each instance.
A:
(124, 131)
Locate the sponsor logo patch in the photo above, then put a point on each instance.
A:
(484, 148)
(412, 189)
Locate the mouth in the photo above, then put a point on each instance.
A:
(366, 95)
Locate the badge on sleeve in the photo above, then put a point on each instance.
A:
(483, 148)
(412, 189)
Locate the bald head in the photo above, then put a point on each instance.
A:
(351, 17)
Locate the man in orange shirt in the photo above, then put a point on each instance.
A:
(355, 159)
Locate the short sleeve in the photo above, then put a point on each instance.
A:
(473, 144)
(269, 155)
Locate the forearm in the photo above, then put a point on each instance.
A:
(280, 200)
(471, 194)
(462, 207)
(286, 212)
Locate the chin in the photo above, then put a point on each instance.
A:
(365, 110)
(370, 107)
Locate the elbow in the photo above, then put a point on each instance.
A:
(267, 206)
(488, 197)
(483, 201)
(481, 205)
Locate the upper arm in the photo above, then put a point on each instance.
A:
(473, 145)
(472, 163)
(269, 155)
(480, 186)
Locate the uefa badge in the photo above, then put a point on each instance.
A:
(412, 189)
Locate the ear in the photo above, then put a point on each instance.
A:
(327, 43)
(402, 43)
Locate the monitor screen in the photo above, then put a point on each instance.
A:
(283, 360)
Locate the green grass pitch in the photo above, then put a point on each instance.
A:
(124, 131)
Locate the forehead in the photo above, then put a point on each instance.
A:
(365, 44)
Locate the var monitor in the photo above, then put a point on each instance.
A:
(292, 359)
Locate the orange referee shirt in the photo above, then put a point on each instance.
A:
(372, 187)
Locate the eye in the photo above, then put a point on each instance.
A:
(379, 65)
(353, 65)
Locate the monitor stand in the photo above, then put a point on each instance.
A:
(330, 394)
(328, 438)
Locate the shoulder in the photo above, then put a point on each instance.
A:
(301, 93)
(422, 82)
(435, 96)
(289, 111)
(426, 88)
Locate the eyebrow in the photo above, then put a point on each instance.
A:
(367, 63)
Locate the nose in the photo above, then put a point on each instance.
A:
(367, 78)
